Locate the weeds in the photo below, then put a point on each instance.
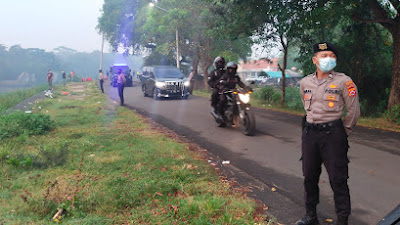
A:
(18, 123)
(8, 100)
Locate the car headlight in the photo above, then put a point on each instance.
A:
(245, 98)
(160, 84)
(186, 83)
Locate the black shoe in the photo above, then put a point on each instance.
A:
(308, 219)
(342, 220)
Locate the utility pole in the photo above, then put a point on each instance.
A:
(101, 56)
(177, 49)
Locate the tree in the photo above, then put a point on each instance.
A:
(387, 14)
(273, 23)
(194, 20)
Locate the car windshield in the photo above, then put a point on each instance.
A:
(125, 69)
(168, 73)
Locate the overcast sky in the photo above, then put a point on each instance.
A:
(48, 24)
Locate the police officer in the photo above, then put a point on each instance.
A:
(121, 84)
(101, 79)
(213, 78)
(325, 94)
(228, 81)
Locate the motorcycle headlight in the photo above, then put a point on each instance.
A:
(160, 84)
(245, 98)
(186, 83)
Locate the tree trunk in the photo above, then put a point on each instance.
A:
(195, 66)
(206, 59)
(285, 55)
(205, 65)
(394, 97)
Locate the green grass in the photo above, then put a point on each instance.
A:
(10, 99)
(105, 165)
(293, 107)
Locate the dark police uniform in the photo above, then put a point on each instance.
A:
(227, 82)
(121, 84)
(215, 76)
(324, 137)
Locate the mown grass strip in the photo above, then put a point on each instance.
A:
(10, 99)
(103, 164)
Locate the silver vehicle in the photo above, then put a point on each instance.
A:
(164, 82)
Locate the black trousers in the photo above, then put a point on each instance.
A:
(222, 100)
(101, 86)
(121, 93)
(214, 98)
(327, 145)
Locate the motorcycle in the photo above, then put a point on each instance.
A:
(237, 111)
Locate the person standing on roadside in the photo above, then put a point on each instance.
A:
(191, 81)
(121, 84)
(64, 77)
(50, 77)
(325, 94)
(101, 78)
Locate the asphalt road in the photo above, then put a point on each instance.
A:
(270, 159)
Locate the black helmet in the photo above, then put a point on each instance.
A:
(219, 62)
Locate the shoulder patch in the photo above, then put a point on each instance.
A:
(351, 88)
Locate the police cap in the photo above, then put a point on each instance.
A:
(325, 46)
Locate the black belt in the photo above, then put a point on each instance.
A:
(324, 126)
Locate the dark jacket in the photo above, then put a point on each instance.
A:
(229, 82)
(214, 77)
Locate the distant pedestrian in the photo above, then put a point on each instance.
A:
(121, 84)
(64, 77)
(325, 94)
(101, 79)
(191, 81)
(83, 79)
(50, 77)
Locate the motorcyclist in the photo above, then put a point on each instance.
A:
(213, 78)
(228, 81)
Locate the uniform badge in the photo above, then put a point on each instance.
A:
(333, 86)
(331, 97)
(331, 104)
(323, 46)
(306, 97)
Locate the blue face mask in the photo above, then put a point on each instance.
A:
(327, 64)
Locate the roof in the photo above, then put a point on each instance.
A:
(275, 74)
(260, 64)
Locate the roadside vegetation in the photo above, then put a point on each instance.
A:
(270, 98)
(98, 163)
(10, 99)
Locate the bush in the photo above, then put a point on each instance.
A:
(268, 94)
(293, 98)
(18, 123)
(394, 114)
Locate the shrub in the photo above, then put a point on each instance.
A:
(293, 98)
(394, 114)
(268, 94)
(17, 123)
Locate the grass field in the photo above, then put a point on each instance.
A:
(104, 164)
(10, 99)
